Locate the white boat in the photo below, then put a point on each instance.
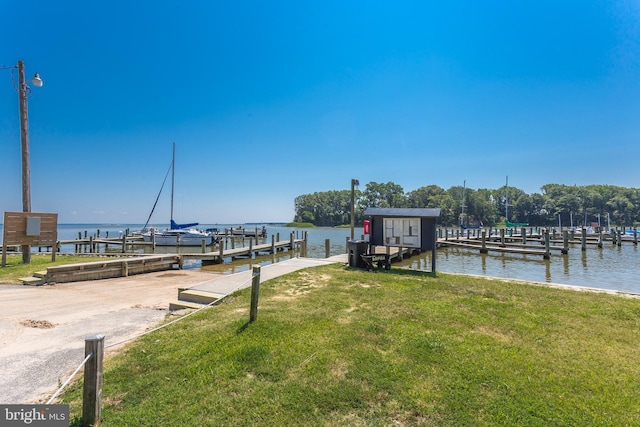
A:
(177, 234)
(179, 237)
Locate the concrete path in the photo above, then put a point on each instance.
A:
(228, 284)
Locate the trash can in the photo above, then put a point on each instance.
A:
(355, 248)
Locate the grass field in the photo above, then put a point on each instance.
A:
(334, 346)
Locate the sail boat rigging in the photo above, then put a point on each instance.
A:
(177, 234)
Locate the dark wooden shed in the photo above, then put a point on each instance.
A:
(405, 228)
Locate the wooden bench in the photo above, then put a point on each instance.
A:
(372, 261)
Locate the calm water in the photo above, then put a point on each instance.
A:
(611, 267)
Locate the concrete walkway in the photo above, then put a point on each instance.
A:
(228, 284)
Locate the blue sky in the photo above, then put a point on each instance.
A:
(270, 100)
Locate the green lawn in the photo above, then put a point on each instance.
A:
(335, 346)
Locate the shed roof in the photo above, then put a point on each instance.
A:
(404, 212)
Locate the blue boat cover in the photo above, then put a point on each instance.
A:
(175, 226)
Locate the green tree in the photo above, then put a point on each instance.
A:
(424, 197)
(379, 195)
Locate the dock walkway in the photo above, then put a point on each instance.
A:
(230, 283)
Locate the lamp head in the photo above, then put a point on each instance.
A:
(36, 80)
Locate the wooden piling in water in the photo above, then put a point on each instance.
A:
(483, 249)
(619, 237)
(547, 246)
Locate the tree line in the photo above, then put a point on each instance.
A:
(556, 204)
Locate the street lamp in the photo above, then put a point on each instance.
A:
(23, 90)
(354, 183)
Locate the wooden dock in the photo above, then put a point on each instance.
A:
(510, 248)
(538, 241)
(218, 257)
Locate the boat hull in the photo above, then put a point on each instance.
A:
(177, 238)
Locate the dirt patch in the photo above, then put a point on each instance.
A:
(40, 324)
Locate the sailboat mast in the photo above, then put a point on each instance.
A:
(506, 203)
(173, 173)
(464, 186)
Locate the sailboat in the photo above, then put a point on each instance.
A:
(177, 234)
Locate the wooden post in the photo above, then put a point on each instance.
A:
(291, 241)
(565, 242)
(619, 237)
(255, 291)
(327, 248)
(502, 237)
(446, 234)
(221, 247)
(483, 249)
(256, 235)
(584, 239)
(523, 233)
(250, 248)
(599, 238)
(273, 244)
(92, 387)
(635, 236)
(204, 245)
(547, 246)
(125, 268)
(306, 243)
(91, 244)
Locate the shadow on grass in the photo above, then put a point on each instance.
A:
(396, 272)
(242, 328)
